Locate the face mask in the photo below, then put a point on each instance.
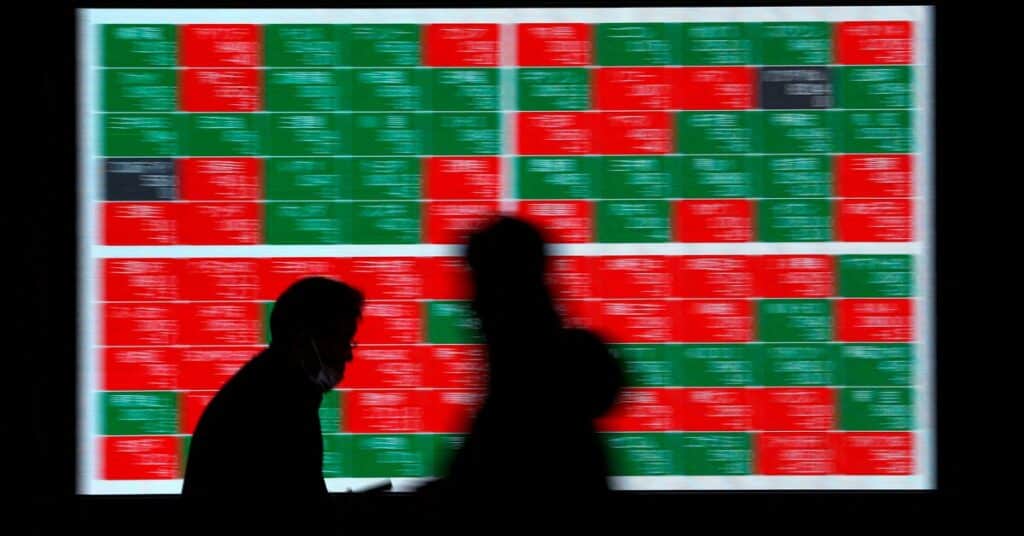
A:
(326, 378)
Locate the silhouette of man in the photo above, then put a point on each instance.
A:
(532, 448)
(256, 456)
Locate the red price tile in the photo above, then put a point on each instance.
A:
(386, 367)
(229, 323)
(278, 274)
(461, 45)
(715, 321)
(221, 223)
(220, 45)
(553, 45)
(634, 133)
(451, 411)
(796, 276)
(571, 277)
(221, 179)
(633, 88)
(140, 224)
(707, 276)
(796, 453)
(209, 368)
(876, 453)
(140, 458)
(875, 220)
(635, 320)
(715, 88)
(141, 324)
(391, 322)
(447, 278)
(451, 222)
(796, 409)
(874, 42)
(141, 279)
(555, 133)
(864, 175)
(392, 411)
(875, 320)
(463, 177)
(139, 369)
(641, 410)
(193, 405)
(715, 410)
(221, 279)
(714, 220)
(384, 278)
(220, 90)
(633, 277)
(568, 222)
(455, 366)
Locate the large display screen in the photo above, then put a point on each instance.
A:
(738, 199)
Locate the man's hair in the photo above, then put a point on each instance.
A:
(313, 306)
(507, 249)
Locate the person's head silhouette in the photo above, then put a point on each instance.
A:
(314, 322)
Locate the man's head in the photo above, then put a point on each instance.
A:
(314, 321)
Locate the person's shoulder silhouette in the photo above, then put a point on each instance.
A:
(258, 442)
(534, 436)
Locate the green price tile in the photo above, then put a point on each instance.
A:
(383, 134)
(573, 177)
(394, 455)
(232, 134)
(140, 90)
(445, 448)
(307, 90)
(799, 132)
(876, 276)
(305, 45)
(385, 45)
(379, 179)
(465, 133)
(330, 412)
(794, 220)
(794, 320)
(139, 413)
(309, 134)
(637, 44)
(718, 176)
(308, 223)
(715, 365)
(644, 365)
(876, 365)
(386, 222)
(795, 43)
(337, 455)
(889, 86)
(633, 221)
(307, 179)
(862, 408)
(553, 89)
(792, 176)
(140, 45)
(800, 365)
(452, 322)
(142, 134)
(266, 308)
(719, 43)
(887, 131)
(464, 90)
(390, 90)
(637, 177)
(728, 453)
(718, 132)
(645, 454)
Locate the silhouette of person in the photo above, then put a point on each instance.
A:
(532, 447)
(256, 455)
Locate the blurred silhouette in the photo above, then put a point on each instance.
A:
(532, 452)
(256, 456)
